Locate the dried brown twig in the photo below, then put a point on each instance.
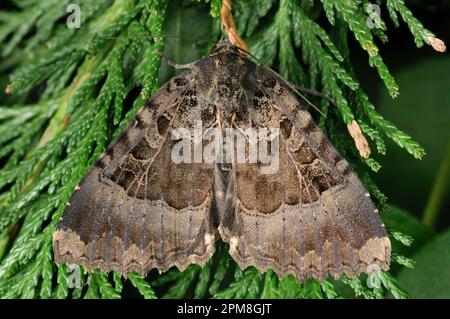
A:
(229, 27)
(360, 141)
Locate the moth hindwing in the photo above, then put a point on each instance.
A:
(153, 202)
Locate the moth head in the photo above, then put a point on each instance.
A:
(224, 46)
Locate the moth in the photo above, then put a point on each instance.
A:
(139, 209)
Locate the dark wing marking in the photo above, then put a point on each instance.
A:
(136, 209)
(312, 217)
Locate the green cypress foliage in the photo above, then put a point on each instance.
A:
(70, 91)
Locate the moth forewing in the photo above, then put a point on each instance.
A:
(290, 203)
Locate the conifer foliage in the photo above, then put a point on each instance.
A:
(68, 92)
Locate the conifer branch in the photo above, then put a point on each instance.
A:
(72, 91)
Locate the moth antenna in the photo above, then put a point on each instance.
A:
(317, 93)
(353, 128)
(139, 37)
(173, 64)
(294, 87)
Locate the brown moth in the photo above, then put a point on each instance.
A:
(138, 209)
